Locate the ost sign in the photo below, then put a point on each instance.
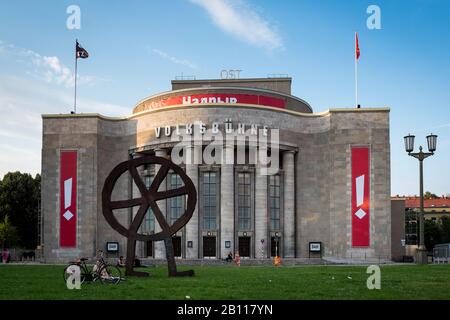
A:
(230, 74)
(217, 98)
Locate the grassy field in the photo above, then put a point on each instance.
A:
(302, 282)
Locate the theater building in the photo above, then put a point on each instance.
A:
(330, 189)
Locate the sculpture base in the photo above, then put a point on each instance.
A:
(421, 255)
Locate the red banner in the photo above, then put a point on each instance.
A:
(68, 199)
(360, 197)
(216, 98)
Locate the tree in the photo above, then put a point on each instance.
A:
(428, 195)
(445, 229)
(432, 234)
(8, 233)
(19, 199)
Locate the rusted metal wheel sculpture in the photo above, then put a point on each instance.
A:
(148, 199)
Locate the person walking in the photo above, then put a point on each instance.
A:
(5, 255)
(237, 259)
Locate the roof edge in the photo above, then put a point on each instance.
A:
(176, 107)
(234, 80)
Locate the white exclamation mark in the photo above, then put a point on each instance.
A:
(68, 198)
(360, 196)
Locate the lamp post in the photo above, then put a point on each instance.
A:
(409, 147)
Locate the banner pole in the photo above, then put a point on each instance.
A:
(356, 74)
(76, 66)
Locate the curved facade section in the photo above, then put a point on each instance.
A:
(225, 96)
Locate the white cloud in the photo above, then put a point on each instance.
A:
(439, 126)
(238, 19)
(50, 69)
(47, 68)
(24, 99)
(22, 102)
(175, 60)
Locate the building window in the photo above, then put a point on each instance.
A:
(175, 203)
(149, 220)
(411, 227)
(209, 200)
(244, 200)
(274, 202)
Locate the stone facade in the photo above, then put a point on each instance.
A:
(315, 158)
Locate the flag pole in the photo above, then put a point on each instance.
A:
(76, 65)
(356, 71)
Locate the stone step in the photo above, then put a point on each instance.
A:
(244, 262)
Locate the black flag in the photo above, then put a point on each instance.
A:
(81, 52)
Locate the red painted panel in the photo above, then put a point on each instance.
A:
(360, 197)
(225, 99)
(68, 199)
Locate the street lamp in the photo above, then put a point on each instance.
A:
(409, 147)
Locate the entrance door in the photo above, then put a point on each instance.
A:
(176, 241)
(209, 246)
(275, 246)
(244, 246)
(149, 248)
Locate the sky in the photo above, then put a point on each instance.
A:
(137, 47)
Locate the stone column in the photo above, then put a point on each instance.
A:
(261, 214)
(289, 204)
(160, 249)
(227, 200)
(192, 227)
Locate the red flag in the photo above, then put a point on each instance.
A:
(357, 52)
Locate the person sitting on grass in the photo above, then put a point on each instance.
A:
(99, 262)
(121, 262)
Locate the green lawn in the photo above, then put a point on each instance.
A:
(302, 282)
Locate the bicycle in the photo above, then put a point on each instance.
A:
(100, 271)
